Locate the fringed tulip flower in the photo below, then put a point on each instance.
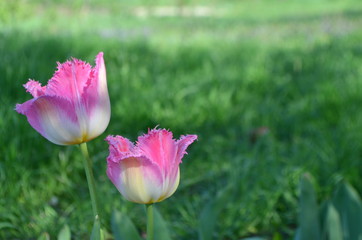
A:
(74, 107)
(147, 172)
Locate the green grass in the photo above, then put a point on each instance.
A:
(257, 63)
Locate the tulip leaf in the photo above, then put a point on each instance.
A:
(207, 221)
(64, 233)
(332, 224)
(44, 236)
(96, 231)
(309, 227)
(253, 238)
(297, 234)
(123, 228)
(348, 204)
(209, 214)
(161, 230)
(6, 225)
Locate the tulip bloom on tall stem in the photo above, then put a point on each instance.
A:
(73, 108)
(147, 172)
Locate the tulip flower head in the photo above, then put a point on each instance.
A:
(147, 172)
(73, 107)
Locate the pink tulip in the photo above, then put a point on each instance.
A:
(74, 107)
(147, 172)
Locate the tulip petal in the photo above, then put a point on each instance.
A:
(137, 179)
(120, 148)
(54, 118)
(95, 91)
(170, 186)
(183, 143)
(34, 88)
(159, 147)
(69, 80)
(95, 99)
(100, 72)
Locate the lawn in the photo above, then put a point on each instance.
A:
(272, 88)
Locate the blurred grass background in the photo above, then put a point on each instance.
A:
(272, 87)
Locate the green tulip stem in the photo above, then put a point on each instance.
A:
(150, 227)
(90, 179)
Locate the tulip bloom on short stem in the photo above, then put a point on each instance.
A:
(73, 107)
(147, 172)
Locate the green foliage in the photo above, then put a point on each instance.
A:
(97, 232)
(332, 226)
(208, 220)
(309, 227)
(11, 10)
(210, 214)
(44, 236)
(161, 227)
(348, 203)
(340, 216)
(253, 238)
(123, 228)
(64, 234)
